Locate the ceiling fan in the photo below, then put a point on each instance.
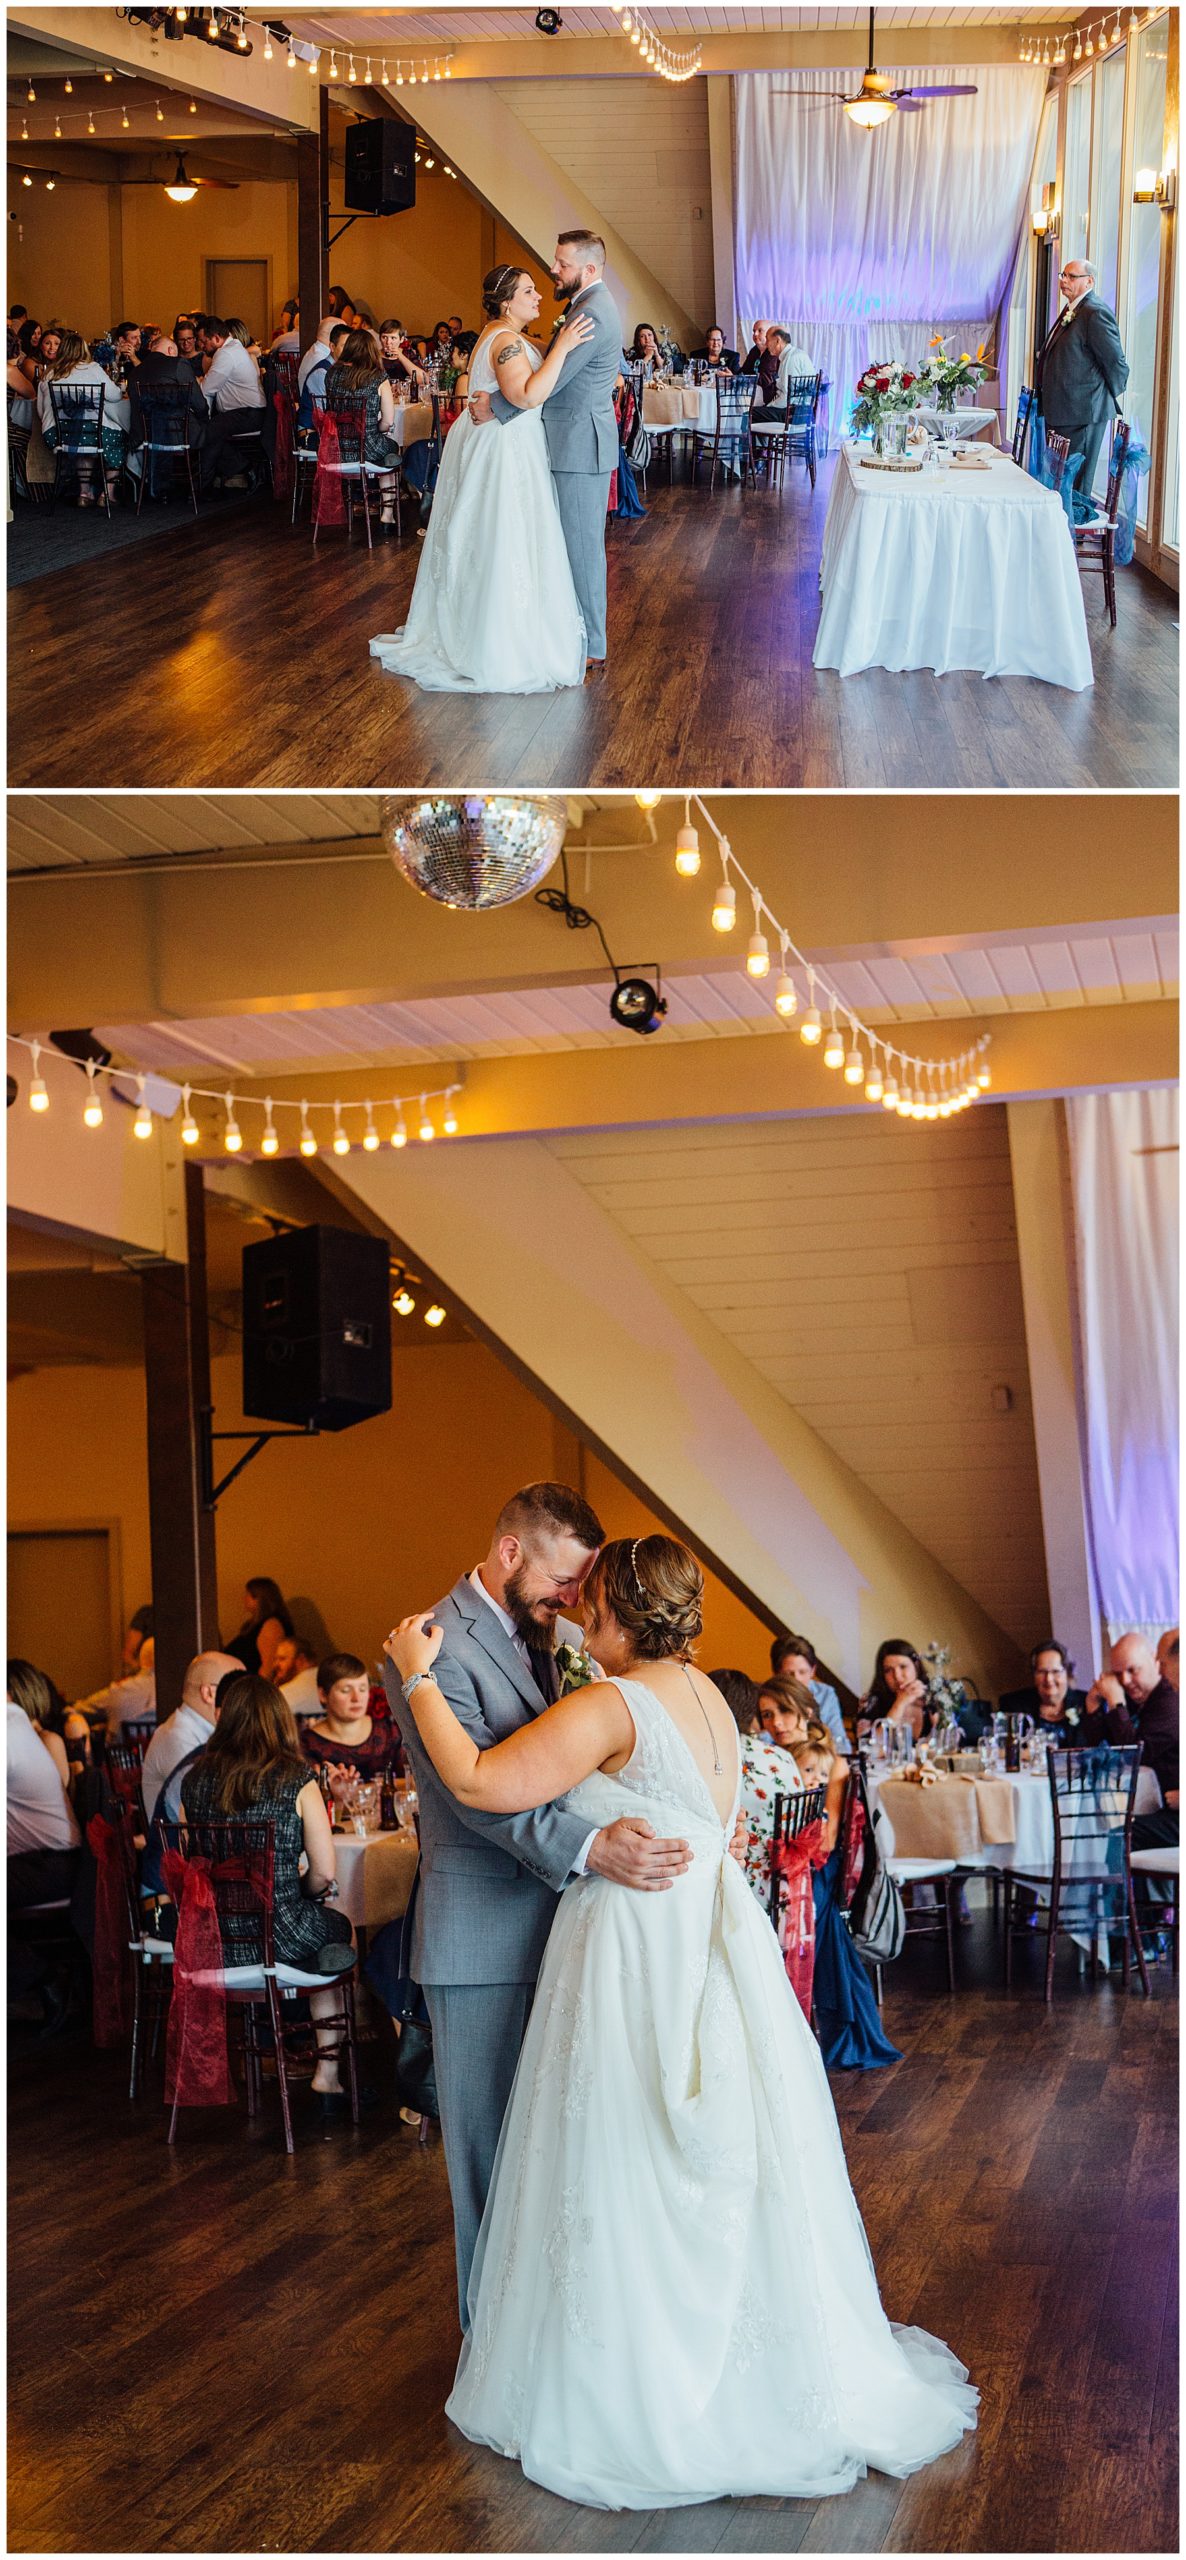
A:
(877, 99)
(181, 187)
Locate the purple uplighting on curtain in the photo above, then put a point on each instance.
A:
(864, 244)
(1124, 1167)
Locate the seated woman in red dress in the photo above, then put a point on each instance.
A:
(353, 1731)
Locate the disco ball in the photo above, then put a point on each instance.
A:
(475, 850)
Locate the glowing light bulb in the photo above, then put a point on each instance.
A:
(757, 957)
(267, 44)
(38, 1096)
(874, 1087)
(833, 1046)
(426, 1131)
(50, 184)
(786, 996)
(69, 88)
(90, 122)
(190, 1132)
(142, 1124)
(26, 181)
(306, 1141)
(269, 1144)
(687, 852)
(352, 73)
(449, 1123)
(984, 1075)
(125, 120)
(890, 1098)
(724, 913)
(403, 1301)
(370, 1135)
(313, 65)
(854, 1067)
(340, 1141)
(399, 1135)
(160, 112)
(434, 1316)
(648, 799)
(32, 94)
(811, 1029)
(93, 1111)
(232, 1136)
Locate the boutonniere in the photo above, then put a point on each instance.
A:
(1071, 1716)
(576, 1668)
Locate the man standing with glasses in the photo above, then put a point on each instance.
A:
(1081, 374)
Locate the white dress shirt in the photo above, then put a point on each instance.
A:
(318, 353)
(186, 1730)
(39, 1814)
(302, 1692)
(233, 379)
(522, 1648)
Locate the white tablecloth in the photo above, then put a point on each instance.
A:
(413, 423)
(1032, 1849)
(953, 424)
(949, 570)
(375, 1875)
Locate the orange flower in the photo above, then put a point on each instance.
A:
(936, 342)
(980, 351)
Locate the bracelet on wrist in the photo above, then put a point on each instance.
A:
(417, 1681)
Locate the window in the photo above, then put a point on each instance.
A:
(1106, 160)
(1077, 175)
(1169, 503)
(1150, 50)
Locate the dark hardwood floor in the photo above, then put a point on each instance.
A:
(217, 2348)
(230, 654)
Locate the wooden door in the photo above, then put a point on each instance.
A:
(63, 1605)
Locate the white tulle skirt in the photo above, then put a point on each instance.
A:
(673, 2298)
(494, 609)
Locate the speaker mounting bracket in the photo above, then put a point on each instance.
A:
(332, 237)
(212, 1493)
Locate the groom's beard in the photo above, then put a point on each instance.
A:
(563, 293)
(540, 1633)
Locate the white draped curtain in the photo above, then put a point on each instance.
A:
(1124, 1170)
(865, 244)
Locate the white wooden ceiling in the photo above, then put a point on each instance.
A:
(870, 1274)
(1006, 976)
(393, 27)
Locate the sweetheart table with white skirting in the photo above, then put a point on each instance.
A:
(950, 569)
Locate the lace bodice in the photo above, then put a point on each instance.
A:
(482, 376)
(661, 1777)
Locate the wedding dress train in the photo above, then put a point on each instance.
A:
(494, 609)
(673, 2298)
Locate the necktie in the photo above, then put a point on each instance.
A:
(544, 1672)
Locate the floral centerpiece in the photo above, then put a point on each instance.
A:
(948, 1689)
(946, 375)
(884, 391)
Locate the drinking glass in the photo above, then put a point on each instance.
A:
(366, 1807)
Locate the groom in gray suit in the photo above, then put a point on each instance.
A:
(580, 425)
(488, 1883)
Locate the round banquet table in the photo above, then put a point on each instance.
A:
(413, 423)
(375, 1875)
(954, 425)
(944, 1821)
(963, 568)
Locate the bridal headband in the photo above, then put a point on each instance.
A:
(635, 1544)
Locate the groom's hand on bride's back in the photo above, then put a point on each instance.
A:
(627, 1852)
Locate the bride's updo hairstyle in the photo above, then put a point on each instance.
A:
(655, 1589)
(497, 289)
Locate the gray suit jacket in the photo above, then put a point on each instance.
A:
(488, 1881)
(579, 420)
(1082, 370)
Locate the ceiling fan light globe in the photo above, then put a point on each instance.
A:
(869, 111)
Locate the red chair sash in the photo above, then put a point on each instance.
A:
(855, 1857)
(329, 503)
(282, 463)
(197, 2071)
(794, 1861)
(109, 1956)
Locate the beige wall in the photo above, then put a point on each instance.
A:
(166, 246)
(59, 261)
(368, 1523)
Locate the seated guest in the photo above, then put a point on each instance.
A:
(139, 1625)
(164, 368)
(287, 338)
(320, 352)
(65, 1733)
(758, 349)
(342, 306)
(43, 1836)
(356, 371)
(316, 375)
(646, 350)
(777, 365)
(1167, 1656)
(266, 1622)
(900, 1690)
(131, 1700)
(767, 1771)
(235, 395)
(715, 354)
(442, 340)
(252, 1766)
(393, 349)
(785, 1710)
(815, 1761)
(185, 339)
(349, 1734)
(795, 1658)
(1142, 1707)
(178, 1740)
(28, 359)
(78, 371)
(20, 393)
(125, 338)
(1061, 1710)
(295, 1675)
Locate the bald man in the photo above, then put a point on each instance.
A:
(187, 1731)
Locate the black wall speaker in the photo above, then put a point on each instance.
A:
(380, 166)
(317, 1328)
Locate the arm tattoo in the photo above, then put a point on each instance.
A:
(505, 353)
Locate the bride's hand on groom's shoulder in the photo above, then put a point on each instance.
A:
(573, 333)
(414, 1644)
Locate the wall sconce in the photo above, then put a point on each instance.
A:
(1156, 186)
(1047, 222)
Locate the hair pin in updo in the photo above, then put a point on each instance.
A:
(635, 1544)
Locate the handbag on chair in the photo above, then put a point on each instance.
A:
(389, 1975)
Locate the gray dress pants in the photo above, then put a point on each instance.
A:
(584, 500)
(477, 2031)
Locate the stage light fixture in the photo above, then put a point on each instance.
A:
(548, 22)
(403, 1301)
(637, 1006)
(434, 1316)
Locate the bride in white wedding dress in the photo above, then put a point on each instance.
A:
(494, 608)
(673, 2298)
